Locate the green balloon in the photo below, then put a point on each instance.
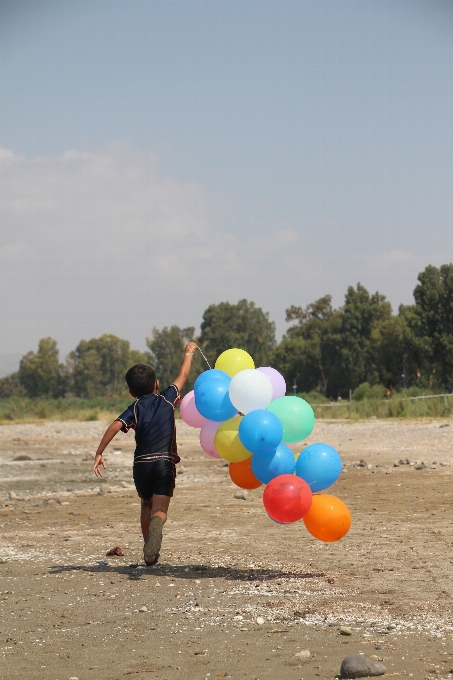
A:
(296, 416)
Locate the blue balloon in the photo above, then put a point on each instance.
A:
(319, 465)
(266, 466)
(260, 431)
(208, 375)
(213, 401)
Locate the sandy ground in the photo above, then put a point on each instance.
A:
(68, 611)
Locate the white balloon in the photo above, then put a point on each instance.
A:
(249, 390)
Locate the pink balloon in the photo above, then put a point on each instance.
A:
(190, 413)
(277, 381)
(207, 435)
(296, 447)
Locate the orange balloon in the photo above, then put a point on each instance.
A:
(241, 474)
(328, 519)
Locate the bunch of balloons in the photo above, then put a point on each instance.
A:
(245, 418)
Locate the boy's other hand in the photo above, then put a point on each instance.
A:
(190, 348)
(97, 462)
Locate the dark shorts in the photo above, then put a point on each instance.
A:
(154, 477)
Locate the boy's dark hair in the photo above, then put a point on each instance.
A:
(141, 380)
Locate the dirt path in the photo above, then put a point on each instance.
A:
(70, 612)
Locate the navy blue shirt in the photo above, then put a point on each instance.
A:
(153, 419)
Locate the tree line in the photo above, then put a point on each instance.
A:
(324, 349)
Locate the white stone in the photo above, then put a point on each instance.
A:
(143, 609)
(303, 654)
(241, 495)
(260, 620)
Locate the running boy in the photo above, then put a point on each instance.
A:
(152, 416)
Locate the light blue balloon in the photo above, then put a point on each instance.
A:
(212, 400)
(260, 431)
(208, 375)
(266, 466)
(319, 465)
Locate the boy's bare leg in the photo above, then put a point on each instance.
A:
(145, 517)
(157, 507)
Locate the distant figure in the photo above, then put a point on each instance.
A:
(152, 416)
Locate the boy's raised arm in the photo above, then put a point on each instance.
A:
(184, 371)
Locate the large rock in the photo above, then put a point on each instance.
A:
(360, 666)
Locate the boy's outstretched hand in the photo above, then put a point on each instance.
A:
(97, 462)
(110, 432)
(189, 351)
(190, 348)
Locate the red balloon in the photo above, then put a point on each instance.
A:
(287, 498)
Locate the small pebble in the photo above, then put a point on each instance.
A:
(241, 495)
(143, 609)
(344, 630)
(303, 654)
(260, 620)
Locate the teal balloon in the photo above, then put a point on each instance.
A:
(319, 465)
(296, 416)
(266, 466)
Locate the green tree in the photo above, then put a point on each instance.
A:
(315, 358)
(167, 351)
(11, 387)
(428, 335)
(40, 372)
(360, 315)
(333, 350)
(243, 325)
(387, 351)
(100, 364)
(87, 378)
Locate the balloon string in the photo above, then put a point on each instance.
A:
(204, 357)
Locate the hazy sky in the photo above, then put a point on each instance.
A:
(157, 157)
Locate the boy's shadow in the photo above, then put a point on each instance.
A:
(186, 572)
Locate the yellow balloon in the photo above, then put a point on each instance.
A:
(227, 442)
(234, 360)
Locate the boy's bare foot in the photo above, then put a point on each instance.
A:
(154, 538)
